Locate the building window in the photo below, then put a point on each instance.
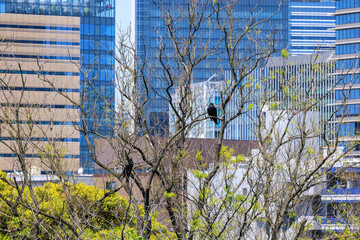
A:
(110, 185)
(331, 210)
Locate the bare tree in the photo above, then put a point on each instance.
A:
(266, 195)
(284, 166)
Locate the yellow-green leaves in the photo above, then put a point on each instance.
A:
(196, 223)
(284, 53)
(310, 151)
(226, 152)
(273, 106)
(238, 159)
(169, 194)
(61, 201)
(256, 206)
(316, 67)
(199, 174)
(286, 90)
(198, 156)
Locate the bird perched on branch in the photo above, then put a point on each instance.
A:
(212, 112)
(128, 170)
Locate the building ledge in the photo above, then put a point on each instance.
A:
(346, 56)
(347, 41)
(340, 198)
(346, 102)
(347, 86)
(345, 26)
(345, 71)
(346, 11)
(346, 119)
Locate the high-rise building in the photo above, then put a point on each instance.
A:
(31, 110)
(342, 192)
(97, 38)
(311, 24)
(151, 31)
(347, 61)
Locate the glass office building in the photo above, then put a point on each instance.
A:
(342, 192)
(97, 37)
(311, 24)
(347, 61)
(151, 31)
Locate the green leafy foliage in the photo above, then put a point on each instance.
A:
(284, 53)
(83, 207)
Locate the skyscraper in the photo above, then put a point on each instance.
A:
(342, 193)
(151, 31)
(311, 24)
(97, 37)
(34, 117)
(347, 51)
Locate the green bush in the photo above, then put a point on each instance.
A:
(77, 204)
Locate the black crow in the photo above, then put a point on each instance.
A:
(211, 110)
(127, 170)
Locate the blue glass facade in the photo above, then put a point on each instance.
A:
(2, 6)
(347, 48)
(345, 4)
(341, 194)
(97, 37)
(151, 30)
(310, 26)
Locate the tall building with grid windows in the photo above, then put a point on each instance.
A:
(311, 24)
(31, 110)
(341, 196)
(347, 61)
(96, 31)
(151, 30)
